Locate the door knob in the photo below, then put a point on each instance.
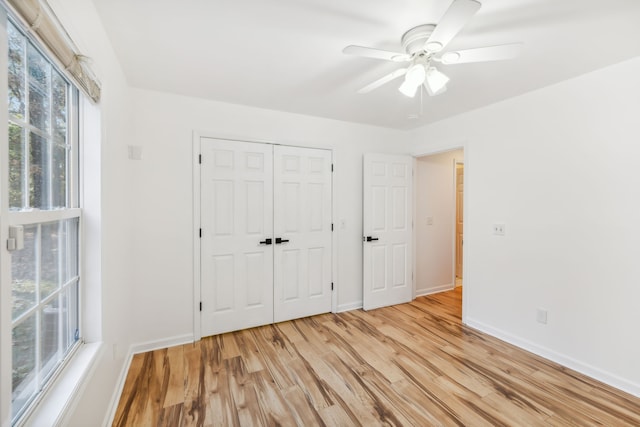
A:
(279, 240)
(266, 242)
(370, 239)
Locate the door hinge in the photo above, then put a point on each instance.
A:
(331, 167)
(331, 285)
(331, 226)
(200, 158)
(200, 305)
(201, 233)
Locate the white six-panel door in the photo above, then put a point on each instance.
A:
(265, 249)
(302, 223)
(236, 202)
(387, 227)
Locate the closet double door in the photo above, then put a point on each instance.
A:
(265, 214)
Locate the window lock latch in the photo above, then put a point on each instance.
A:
(15, 242)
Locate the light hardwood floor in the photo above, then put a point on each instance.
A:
(412, 364)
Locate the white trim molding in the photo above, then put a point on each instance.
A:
(62, 395)
(434, 290)
(350, 306)
(134, 349)
(562, 359)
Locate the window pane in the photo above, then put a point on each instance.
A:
(23, 274)
(16, 166)
(70, 327)
(59, 148)
(59, 108)
(49, 338)
(24, 363)
(59, 176)
(69, 257)
(38, 172)
(45, 282)
(39, 84)
(16, 72)
(64, 318)
(50, 259)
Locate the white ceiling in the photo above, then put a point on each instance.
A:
(287, 54)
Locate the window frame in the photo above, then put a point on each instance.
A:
(9, 217)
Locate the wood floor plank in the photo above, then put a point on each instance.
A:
(249, 351)
(278, 353)
(194, 411)
(415, 364)
(130, 391)
(336, 416)
(271, 400)
(300, 408)
(174, 389)
(243, 393)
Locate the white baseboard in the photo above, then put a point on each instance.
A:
(117, 392)
(434, 290)
(348, 307)
(135, 349)
(564, 360)
(143, 347)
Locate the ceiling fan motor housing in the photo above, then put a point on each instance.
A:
(413, 40)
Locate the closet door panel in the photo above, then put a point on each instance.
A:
(236, 182)
(302, 222)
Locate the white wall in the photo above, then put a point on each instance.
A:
(435, 199)
(558, 166)
(143, 216)
(162, 203)
(108, 281)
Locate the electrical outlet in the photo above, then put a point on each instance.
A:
(429, 220)
(541, 316)
(499, 229)
(135, 152)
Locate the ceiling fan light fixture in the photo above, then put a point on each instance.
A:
(408, 89)
(435, 81)
(450, 57)
(415, 76)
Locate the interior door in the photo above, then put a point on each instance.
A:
(237, 225)
(387, 226)
(302, 232)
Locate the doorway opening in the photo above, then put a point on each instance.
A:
(438, 224)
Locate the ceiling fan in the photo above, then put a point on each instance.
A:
(424, 46)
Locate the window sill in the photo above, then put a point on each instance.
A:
(58, 399)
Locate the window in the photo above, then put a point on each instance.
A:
(42, 200)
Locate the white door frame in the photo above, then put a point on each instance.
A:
(464, 146)
(197, 279)
(457, 162)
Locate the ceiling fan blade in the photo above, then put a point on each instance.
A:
(386, 79)
(370, 52)
(451, 23)
(481, 54)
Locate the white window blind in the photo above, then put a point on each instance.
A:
(43, 24)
